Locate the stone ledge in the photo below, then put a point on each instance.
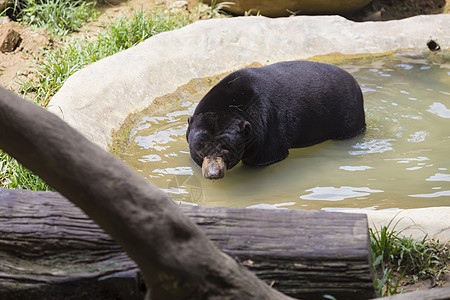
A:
(419, 222)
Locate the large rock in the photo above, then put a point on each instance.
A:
(282, 8)
(9, 39)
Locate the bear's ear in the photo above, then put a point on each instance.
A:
(189, 128)
(245, 127)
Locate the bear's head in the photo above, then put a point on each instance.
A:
(217, 141)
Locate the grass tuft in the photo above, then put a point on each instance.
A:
(61, 63)
(15, 176)
(216, 10)
(396, 258)
(58, 17)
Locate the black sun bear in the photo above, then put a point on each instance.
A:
(257, 114)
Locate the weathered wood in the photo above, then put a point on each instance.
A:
(432, 294)
(49, 247)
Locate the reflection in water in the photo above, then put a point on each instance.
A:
(401, 161)
(439, 177)
(150, 158)
(440, 110)
(175, 171)
(355, 168)
(187, 188)
(418, 136)
(160, 140)
(272, 206)
(337, 194)
(432, 195)
(372, 146)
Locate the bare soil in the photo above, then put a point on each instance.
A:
(408, 284)
(16, 63)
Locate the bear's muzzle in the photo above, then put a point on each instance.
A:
(213, 167)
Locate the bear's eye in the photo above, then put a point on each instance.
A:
(200, 146)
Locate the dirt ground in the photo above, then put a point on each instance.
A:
(19, 64)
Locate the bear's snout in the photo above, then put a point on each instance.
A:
(213, 167)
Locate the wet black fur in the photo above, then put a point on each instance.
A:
(257, 114)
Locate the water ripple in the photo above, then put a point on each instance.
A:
(432, 195)
(439, 177)
(373, 146)
(440, 110)
(337, 194)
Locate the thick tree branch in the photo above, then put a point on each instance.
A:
(175, 257)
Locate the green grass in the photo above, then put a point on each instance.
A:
(58, 17)
(395, 257)
(216, 9)
(122, 34)
(15, 176)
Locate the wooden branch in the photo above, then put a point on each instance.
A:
(175, 256)
(46, 241)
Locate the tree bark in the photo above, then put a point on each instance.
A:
(52, 246)
(175, 256)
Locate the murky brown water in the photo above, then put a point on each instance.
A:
(402, 161)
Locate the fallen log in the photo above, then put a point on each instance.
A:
(49, 249)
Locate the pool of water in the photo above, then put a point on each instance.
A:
(401, 161)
